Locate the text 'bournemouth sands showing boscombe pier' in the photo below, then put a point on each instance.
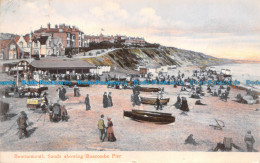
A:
(117, 77)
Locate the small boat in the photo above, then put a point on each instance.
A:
(118, 79)
(149, 116)
(73, 83)
(34, 89)
(151, 101)
(149, 89)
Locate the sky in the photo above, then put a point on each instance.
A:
(220, 28)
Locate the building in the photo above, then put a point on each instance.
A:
(118, 39)
(134, 41)
(23, 67)
(97, 39)
(24, 44)
(70, 36)
(43, 46)
(9, 49)
(7, 36)
(57, 47)
(62, 66)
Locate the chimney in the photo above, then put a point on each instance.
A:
(49, 26)
(56, 26)
(73, 27)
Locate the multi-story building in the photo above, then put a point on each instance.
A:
(114, 39)
(98, 39)
(9, 49)
(24, 43)
(134, 41)
(43, 46)
(70, 36)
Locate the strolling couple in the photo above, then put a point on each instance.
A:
(106, 132)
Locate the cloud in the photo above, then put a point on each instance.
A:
(148, 16)
(213, 27)
(109, 12)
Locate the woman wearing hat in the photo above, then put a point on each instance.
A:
(110, 132)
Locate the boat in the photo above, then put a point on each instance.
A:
(149, 116)
(118, 79)
(73, 83)
(34, 89)
(151, 101)
(149, 89)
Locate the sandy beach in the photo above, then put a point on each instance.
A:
(80, 133)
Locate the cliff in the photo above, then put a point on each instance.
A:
(131, 58)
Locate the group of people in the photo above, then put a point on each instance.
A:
(62, 93)
(182, 103)
(107, 100)
(58, 112)
(221, 92)
(135, 99)
(106, 132)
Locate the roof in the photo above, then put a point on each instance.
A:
(57, 30)
(26, 38)
(5, 43)
(16, 38)
(61, 63)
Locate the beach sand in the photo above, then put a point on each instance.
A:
(80, 133)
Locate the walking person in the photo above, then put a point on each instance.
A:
(63, 93)
(158, 104)
(22, 124)
(110, 132)
(101, 127)
(249, 140)
(136, 99)
(75, 90)
(64, 113)
(105, 100)
(59, 92)
(110, 102)
(87, 102)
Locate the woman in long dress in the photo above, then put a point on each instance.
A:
(105, 100)
(110, 102)
(110, 132)
(87, 102)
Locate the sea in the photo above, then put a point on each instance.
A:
(243, 72)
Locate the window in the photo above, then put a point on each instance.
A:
(49, 43)
(68, 43)
(68, 35)
(12, 47)
(21, 44)
(51, 34)
(28, 44)
(10, 55)
(35, 44)
(35, 52)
